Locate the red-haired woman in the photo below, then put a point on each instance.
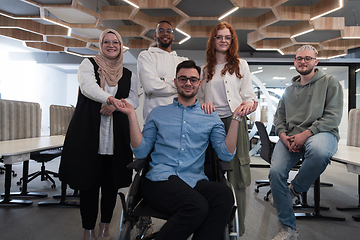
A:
(226, 84)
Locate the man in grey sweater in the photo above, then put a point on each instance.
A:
(306, 120)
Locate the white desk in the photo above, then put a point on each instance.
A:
(351, 157)
(19, 150)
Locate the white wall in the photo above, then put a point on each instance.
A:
(31, 82)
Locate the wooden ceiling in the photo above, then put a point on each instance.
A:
(73, 26)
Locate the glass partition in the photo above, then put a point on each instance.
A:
(270, 81)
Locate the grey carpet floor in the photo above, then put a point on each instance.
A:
(59, 223)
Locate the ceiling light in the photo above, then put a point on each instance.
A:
(292, 68)
(185, 39)
(351, 37)
(357, 70)
(125, 47)
(279, 78)
(298, 34)
(69, 32)
(281, 52)
(78, 54)
(132, 4)
(266, 49)
(340, 55)
(259, 67)
(341, 5)
(228, 13)
(324, 68)
(255, 72)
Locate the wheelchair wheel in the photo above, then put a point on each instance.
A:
(141, 229)
(125, 231)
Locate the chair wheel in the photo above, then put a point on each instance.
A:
(256, 190)
(53, 186)
(297, 201)
(266, 198)
(14, 174)
(18, 183)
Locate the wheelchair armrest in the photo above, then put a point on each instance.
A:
(138, 164)
(224, 166)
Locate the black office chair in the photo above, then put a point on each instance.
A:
(43, 157)
(3, 169)
(266, 153)
(136, 216)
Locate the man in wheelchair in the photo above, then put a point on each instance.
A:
(176, 184)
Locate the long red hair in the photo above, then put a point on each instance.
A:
(232, 58)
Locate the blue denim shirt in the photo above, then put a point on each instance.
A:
(180, 137)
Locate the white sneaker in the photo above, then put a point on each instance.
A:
(286, 233)
(292, 193)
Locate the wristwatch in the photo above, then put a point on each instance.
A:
(237, 118)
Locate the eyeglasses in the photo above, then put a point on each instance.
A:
(307, 59)
(227, 37)
(183, 80)
(114, 42)
(162, 30)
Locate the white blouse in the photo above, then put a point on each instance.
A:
(90, 89)
(234, 90)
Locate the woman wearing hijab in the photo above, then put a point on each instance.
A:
(97, 144)
(226, 85)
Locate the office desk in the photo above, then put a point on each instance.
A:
(350, 156)
(14, 151)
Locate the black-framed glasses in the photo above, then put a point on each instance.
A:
(114, 42)
(163, 30)
(184, 79)
(227, 37)
(306, 59)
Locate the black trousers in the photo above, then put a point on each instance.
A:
(89, 200)
(203, 210)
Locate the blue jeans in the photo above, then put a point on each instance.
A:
(317, 151)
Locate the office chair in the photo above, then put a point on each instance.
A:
(60, 117)
(3, 169)
(136, 216)
(43, 157)
(266, 153)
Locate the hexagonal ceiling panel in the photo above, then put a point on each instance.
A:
(279, 25)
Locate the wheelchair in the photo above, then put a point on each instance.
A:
(137, 216)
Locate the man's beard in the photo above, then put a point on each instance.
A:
(164, 45)
(188, 96)
(304, 72)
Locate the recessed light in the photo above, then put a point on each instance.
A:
(255, 72)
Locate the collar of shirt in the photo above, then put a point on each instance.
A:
(176, 103)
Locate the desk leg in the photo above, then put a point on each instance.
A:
(350, 208)
(24, 192)
(316, 214)
(7, 199)
(62, 201)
